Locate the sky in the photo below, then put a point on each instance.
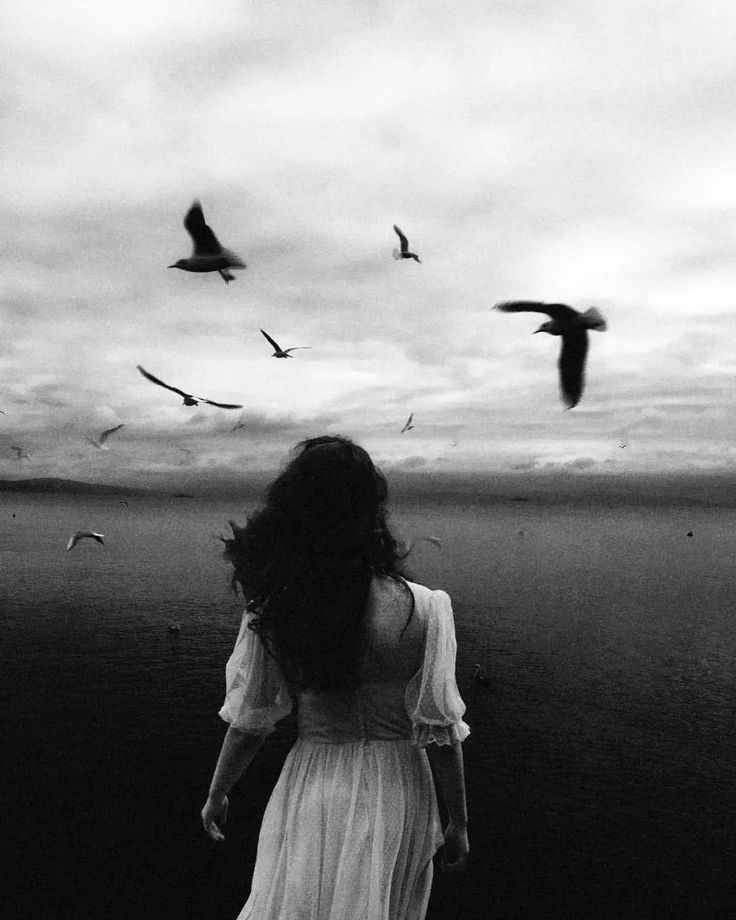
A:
(579, 151)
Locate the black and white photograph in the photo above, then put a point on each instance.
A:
(433, 616)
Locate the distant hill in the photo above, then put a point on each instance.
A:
(68, 487)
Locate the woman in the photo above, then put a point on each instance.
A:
(352, 824)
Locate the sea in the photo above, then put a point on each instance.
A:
(601, 767)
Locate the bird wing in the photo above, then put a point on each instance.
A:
(403, 240)
(72, 541)
(205, 241)
(161, 383)
(410, 419)
(106, 434)
(572, 366)
(296, 348)
(275, 345)
(553, 310)
(220, 405)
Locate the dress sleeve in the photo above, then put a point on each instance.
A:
(257, 695)
(432, 699)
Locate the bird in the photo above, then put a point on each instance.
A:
(404, 252)
(189, 400)
(20, 454)
(80, 535)
(408, 424)
(208, 255)
(573, 327)
(478, 675)
(282, 352)
(435, 541)
(238, 425)
(3, 412)
(123, 502)
(99, 443)
(174, 628)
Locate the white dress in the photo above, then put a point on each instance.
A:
(352, 824)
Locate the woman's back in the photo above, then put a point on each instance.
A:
(392, 654)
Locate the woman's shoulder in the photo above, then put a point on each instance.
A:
(427, 597)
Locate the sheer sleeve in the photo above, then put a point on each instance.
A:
(432, 699)
(257, 696)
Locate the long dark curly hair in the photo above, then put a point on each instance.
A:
(305, 562)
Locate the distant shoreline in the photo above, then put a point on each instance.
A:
(575, 490)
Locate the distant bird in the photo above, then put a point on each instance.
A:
(208, 255)
(80, 535)
(189, 400)
(282, 352)
(238, 425)
(573, 327)
(174, 628)
(123, 502)
(99, 443)
(479, 677)
(3, 412)
(689, 533)
(622, 444)
(404, 252)
(408, 424)
(20, 454)
(435, 541)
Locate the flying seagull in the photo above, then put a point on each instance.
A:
(408, 424)
(404, 252)
(435, 541)
(99, 443)
(20, 454)
(189, 400)
(208, 255)
(573, 327)
(282, 352)
(80, 535)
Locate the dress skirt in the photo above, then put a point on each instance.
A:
(348, 834)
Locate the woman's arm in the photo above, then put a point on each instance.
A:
(447, 764)
(238, 750)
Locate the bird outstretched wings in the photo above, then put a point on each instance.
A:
(186, 396)
(272, 341)
(402, 239)
(558, 311)
(204, 240)
(571, 364)
(106, 434)
(160, 383)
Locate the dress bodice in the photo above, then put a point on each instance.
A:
(406, 689)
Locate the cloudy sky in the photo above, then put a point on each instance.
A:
(579, 151)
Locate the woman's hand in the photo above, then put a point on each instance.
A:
(215, 808)
(455, 853)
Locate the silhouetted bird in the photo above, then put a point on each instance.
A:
(573, 327)
(408, 424)
(189, 400)
(20, 454)
(208, 255)
(404, 252)
(282, 352)
(99, 443)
